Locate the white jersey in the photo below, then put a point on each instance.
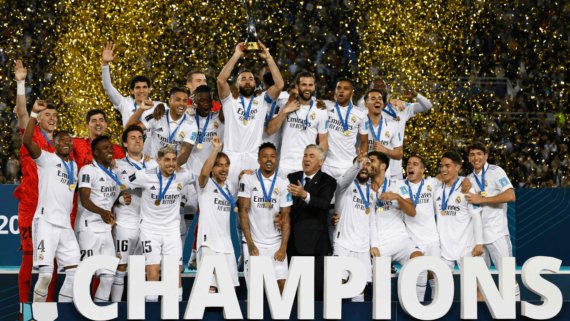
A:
(390, 222)
(126, 105)
(342, 148)
(163, 219)
(262, 219)
(293, 148)
(55, 200)
(104, 192)
(199, 156)
(165, 127)
(455, 227)
(353, 231)
(215, 211)
(276, 138)
(389, 135)
(495, 222)
(422, 228)
(129, 216)
(238, 137)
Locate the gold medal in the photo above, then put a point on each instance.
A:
(245, 122)
(367, 211)
(346, 133)
(397, 118)
(236, 209)
(169, 145)
(267, 204)
(483, 193)
(380, 209)
(199, 146)
(442, 213)
(157, 202)
(72, 187)
(123, 187)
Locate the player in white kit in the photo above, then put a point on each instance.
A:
(458, 223)
(301, 122)
(352, 235)
(127, 217)
(140, 89)
(493, 191)
(52, 233)
(176, 129)
(217, 201)
(261, 196)
(160, 212)
(99, 187)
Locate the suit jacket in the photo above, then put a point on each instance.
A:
(309, 228)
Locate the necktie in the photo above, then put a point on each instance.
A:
(307, 180)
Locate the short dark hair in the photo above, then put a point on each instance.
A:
(192, 73)
(140, 78)
(477, 145)
(422, 160)
(96, 142)
(175, 90)
(94, 112)
(345, 79)
(455, 158)
(382, 94)
(133, 128)
(382, 158)
(291, 87)
(267, 79)
(244, 70)
(56, 135)
(50, 106)
(265, 145)
(203, 89)
(304, 74)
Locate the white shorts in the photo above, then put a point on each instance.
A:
(96, 243)
(154, 246)
(53, 241)
(399, 249)
(364, 257)
(281, 268)
(239, 162)
(230, 260)
(466, 253)
(501, 247)
(430, 249)
(126, 243)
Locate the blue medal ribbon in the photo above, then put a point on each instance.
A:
(390, 111)
(444, 200)
(171, 136)
(270, 115)
(135, 164)
(375, 135)
(345, 121)
(227, 196)
(161, 192)
(201, 136)
(381, 204)
(246, 111)
(69, 170)
(367, 203)
(481, 183)
(110, 173)
(260, 177)
(46, 137)
(306, 123)
(417, 194)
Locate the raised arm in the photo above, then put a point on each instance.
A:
(273, 91)
(209, 164)
(423, 103)
(276, 122)
(134, 120)
(223, 86)
(107, 57)
(30, 145)
(345, 180)
(364, 143)
(324, 141)
(243, 205)
(20, 74)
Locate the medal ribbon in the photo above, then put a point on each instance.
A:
(46, 137)
(171, 136)
(228, 196)
(345, 121)
(109, 173)
(417, 194)
(68, 169)
(246, 111)
(161, 193)
(367, 203)
(375, 135)
(390, 111)
(306, 117)
(135, 164)
(481, 183)
(201, 136)
(263, 185)
(270, 115)
(444, 201)
(381, 204)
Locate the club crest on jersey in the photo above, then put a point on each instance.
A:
(216, 125)
(181, 135)
(458, 199)
(404, 189)
(313, 116)
(119, 255)
(179, 187)
(487, 184)
(255, 102)
(41, 257)
(429, 188)
(276, 191)
(353, 119)
(387, 134)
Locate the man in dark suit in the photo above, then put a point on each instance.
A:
(312, 192)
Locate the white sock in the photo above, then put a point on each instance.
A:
(358, 298)
(152, 298)
(421, 285)
(66, 292)
(104, 289)
(517, 292)
(118, 286)
(41, 288)
(180, 294)
(212, 291)
(432, 286)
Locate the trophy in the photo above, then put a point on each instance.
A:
(251, 45)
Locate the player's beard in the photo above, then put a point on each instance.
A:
(306, 98)
(246, 92)
(362, 179)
